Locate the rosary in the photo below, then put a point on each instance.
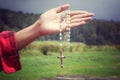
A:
(65, 17)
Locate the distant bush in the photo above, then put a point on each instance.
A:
(44, 50)
(49, 47)
(117, 47)
(100, 48)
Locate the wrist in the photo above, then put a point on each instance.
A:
(37, 30)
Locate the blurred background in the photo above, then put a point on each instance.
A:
(95, 47)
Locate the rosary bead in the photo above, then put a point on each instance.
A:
(60, 34)
(68, 40)
(68, 29)
(60, 38)
(60, 44)
(69, 32)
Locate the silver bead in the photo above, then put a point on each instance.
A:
(60, 38)
(61, 44)
(69, 32)
(67, 28)
(68, 40)
(60, 34)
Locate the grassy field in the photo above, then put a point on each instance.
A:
(82, 60)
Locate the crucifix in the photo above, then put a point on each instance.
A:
(65, 20)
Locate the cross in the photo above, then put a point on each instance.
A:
(61, 57)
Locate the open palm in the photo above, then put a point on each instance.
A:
(50, 20)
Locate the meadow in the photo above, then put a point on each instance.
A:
(39, 60)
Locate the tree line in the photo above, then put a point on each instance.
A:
(95, 32)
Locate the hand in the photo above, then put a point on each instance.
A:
(49, 21)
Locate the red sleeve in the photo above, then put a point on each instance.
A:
(9, 56)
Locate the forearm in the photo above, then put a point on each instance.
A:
(27, 35)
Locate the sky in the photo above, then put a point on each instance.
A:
(103, 9)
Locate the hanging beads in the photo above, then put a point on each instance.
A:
(65, 17)
(68, 28)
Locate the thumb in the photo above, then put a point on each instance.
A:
(62, 8)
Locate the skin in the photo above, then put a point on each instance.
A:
(48, 23)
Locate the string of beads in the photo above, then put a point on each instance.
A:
(65, 18)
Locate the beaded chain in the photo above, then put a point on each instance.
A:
(65, 17)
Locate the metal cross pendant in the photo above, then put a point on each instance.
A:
(61, 57)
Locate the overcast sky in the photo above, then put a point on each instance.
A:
(103, 9)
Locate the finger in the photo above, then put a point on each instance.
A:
(77, 12)
(81, 19)
(62, 8)
(73, 25)
(82, 15)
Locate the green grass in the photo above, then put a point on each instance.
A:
(36, 66)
